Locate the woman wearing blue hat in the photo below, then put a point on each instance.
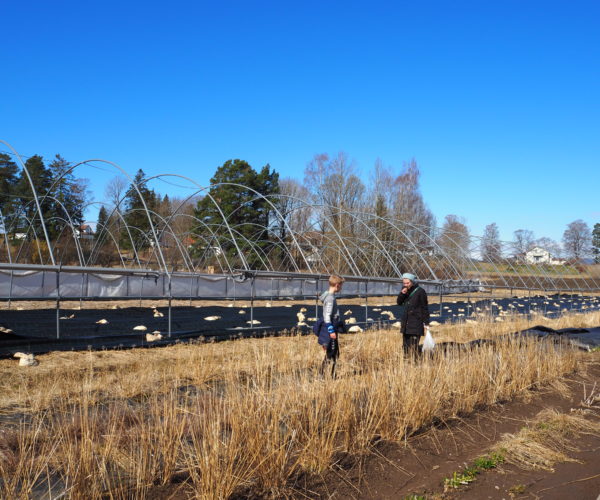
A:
(415, 316)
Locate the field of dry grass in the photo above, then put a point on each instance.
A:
(246, 417)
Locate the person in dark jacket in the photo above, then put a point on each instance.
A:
(415, 316)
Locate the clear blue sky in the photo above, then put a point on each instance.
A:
(499, 102)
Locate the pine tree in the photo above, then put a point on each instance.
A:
(42, 180)
(102, 225)
(245, 212)
(136, 216)
(8, 182)
(69, 196)
(596, 243)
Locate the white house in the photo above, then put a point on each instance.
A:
(85, 232)
(539, 255)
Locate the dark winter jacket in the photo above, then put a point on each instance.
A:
(416, 311)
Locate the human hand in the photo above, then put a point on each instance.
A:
(404, 291)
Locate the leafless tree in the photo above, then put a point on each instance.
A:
(523, 242)
(335, 185)
(491, 247)
(410, 210)
(381, 194)
(115, 192)
(550, 245)
(293, 206)
(577, 239)
(454, 238)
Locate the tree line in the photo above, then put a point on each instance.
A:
(267, 217)
(62, 199)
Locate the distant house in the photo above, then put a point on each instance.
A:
(311, 243)
(85, 232)
(539, 255)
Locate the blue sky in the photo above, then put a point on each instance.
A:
(498, 102)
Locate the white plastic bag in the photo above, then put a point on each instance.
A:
(428, 343)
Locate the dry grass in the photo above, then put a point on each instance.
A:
(547, 440)
(245, 416)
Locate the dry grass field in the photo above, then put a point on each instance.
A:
(245, 418)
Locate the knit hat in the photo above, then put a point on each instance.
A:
(409, 276)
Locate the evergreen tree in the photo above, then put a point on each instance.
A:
(135, 215)
(102, 225)
(244, 211)
(69, 194)
(41, 178)
(596, 243)
(8, 182)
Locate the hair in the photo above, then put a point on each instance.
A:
(335, 280)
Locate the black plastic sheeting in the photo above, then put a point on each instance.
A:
(587, 339)
(35, 330)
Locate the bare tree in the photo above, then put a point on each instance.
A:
(577, 239)
(523, 242)
(115, 192)
(381, 194)
(334, 183)
(491, 247)
(293, 205)
(550, 245)
(454, 238)
(409, 209)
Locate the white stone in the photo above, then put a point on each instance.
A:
(212, 318)
(140, 328)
